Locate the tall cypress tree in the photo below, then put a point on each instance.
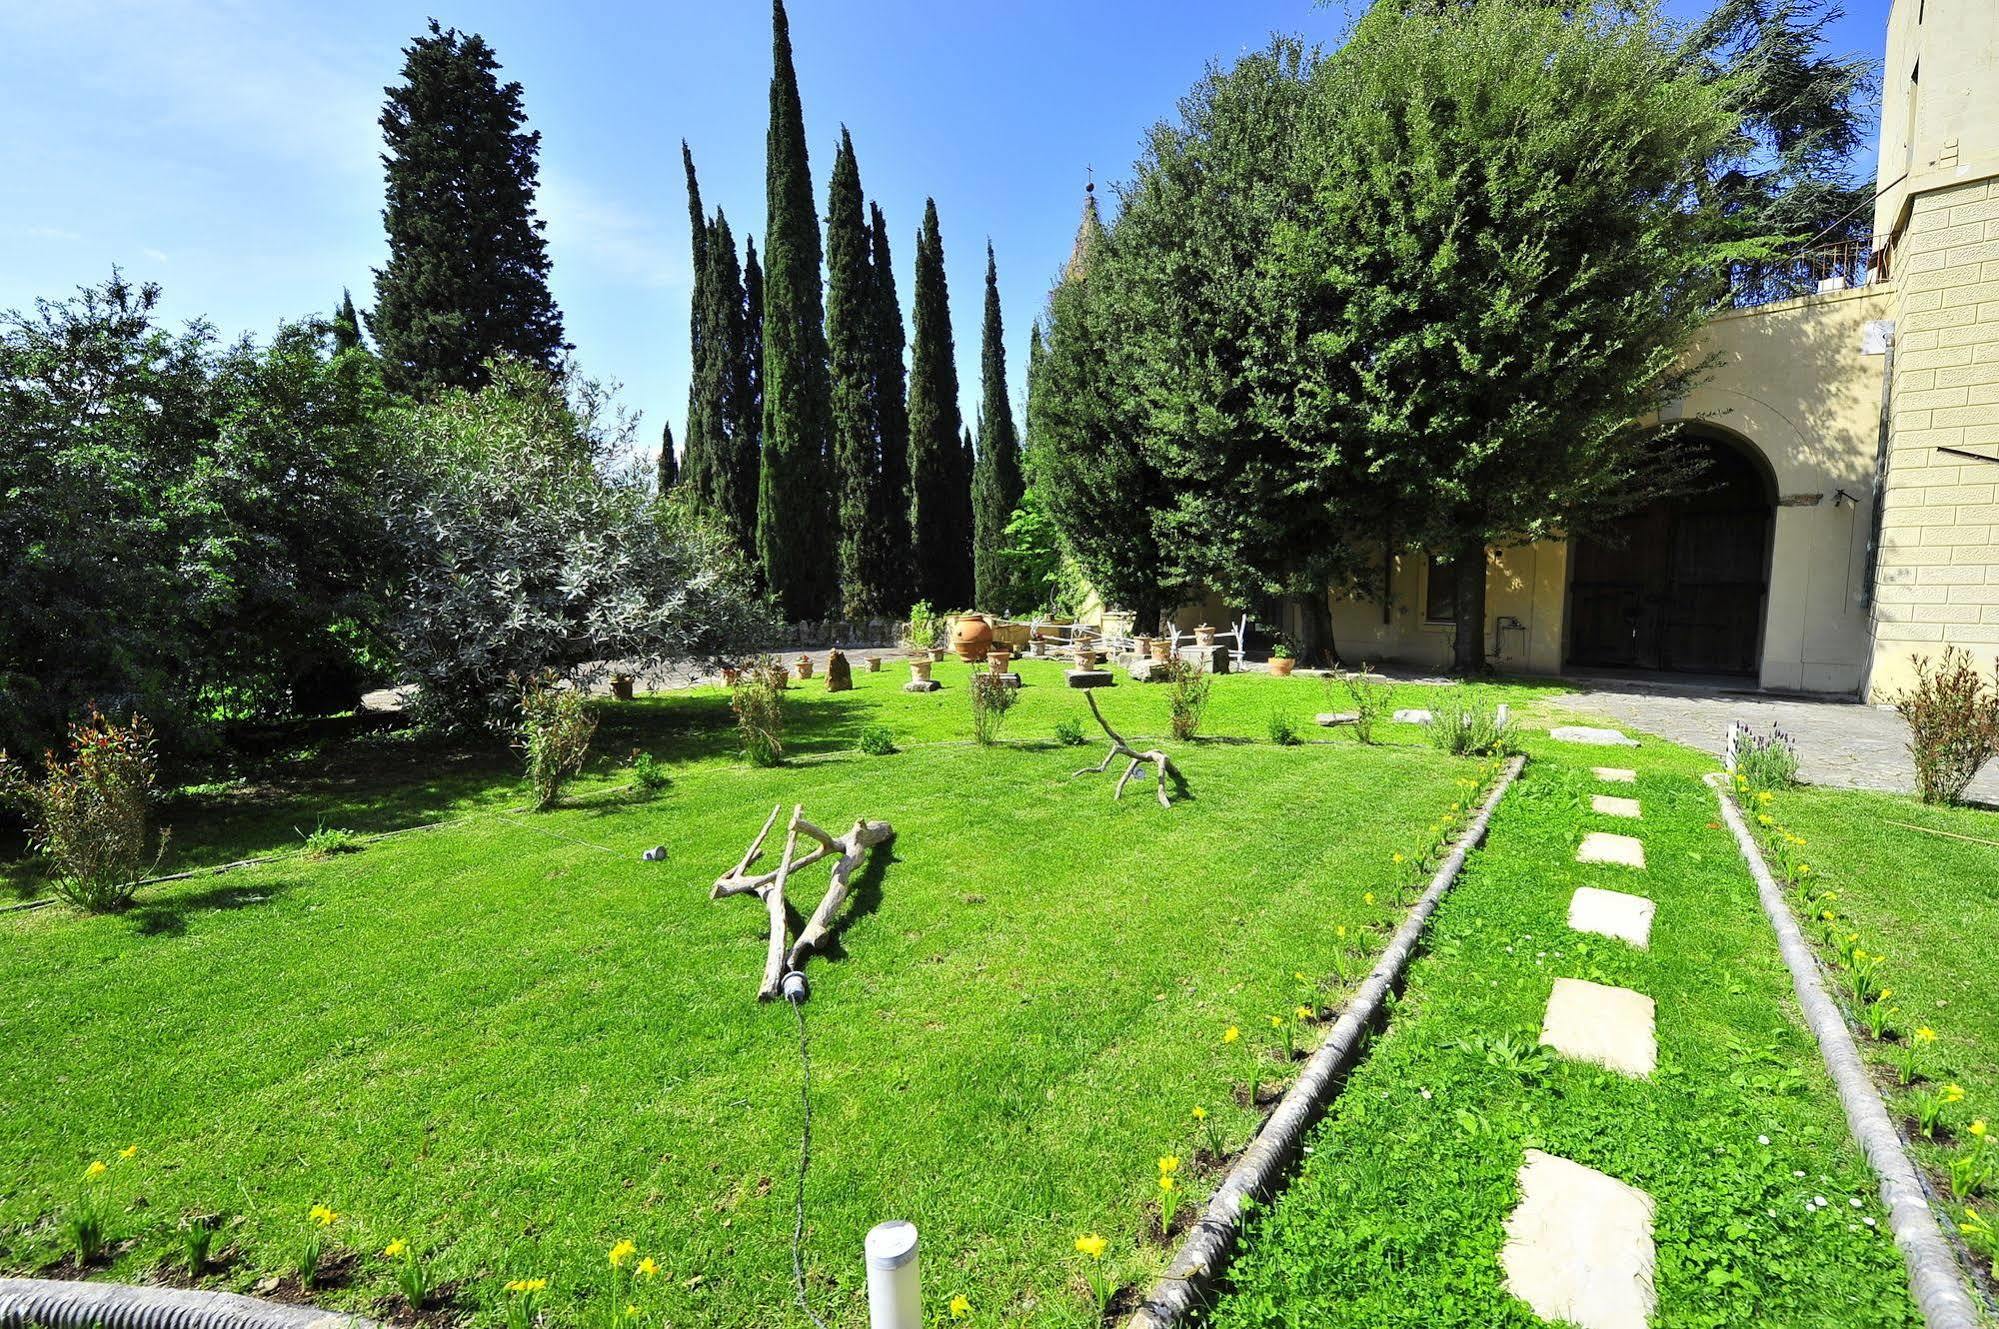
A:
(850, 321)
(750, 412)
(891, 518)
(961, 494)
(669, 465)
(794, 538)
(728, 446)
(937, 482)
(996, 478)
(467, 276)
(346, 325)
(701, 401)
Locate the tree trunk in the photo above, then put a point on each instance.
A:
(1316, 646)
(1468, 658)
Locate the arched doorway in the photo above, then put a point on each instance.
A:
(1683, 586)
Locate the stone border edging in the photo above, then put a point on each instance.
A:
(1198, 1264)
(41, 1303)
(1935, 1280)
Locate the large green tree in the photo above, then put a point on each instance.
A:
(467, 275)
(346, 325)
(703, 400)
(996, 476)
(795, 540)
(727, 483)
(851, 329)
(669, 465)
(886, 342)
(939, 489)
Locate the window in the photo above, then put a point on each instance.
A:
(1440, 600)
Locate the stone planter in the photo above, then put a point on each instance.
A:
(971, 637)
(1142, 647)
(874, 664)
(999, 659)
(1204, 635)
(621, 686)
(919, 669)
(1086, 657)
(938, 655)
(804, 667)
(1283, 666)
(1162, 649)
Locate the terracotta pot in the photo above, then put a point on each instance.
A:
(805, 666)
(919, 669)
(621, 686)
(971, 636)
(874, 664)
(1141, 647)
(1161, 649)
(938, 655)
(1086, 657)
(999, 660)
(1283, 667)
(1204, 635)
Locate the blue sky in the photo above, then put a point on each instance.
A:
(228, 150)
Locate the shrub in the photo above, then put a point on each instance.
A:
(1189, 686)
(326, 841)
(1069, 733)
(1953, 724)
(1472, 729)
(991, 700)
(1767, 761)
(87, 814)
(1282, 651)
(877, 740)
(757, 699)
(1367, 698)
(556, 727)
(649, 773)
(1282, 729)
(924, 629)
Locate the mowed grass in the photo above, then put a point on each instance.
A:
(511, 1043)
(1766, 1212)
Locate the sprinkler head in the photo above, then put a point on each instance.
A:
(793, 987)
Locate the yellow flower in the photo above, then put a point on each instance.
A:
(1166, 1182)
(648, 1267)
(128, 1151)
(1763, 819)
(1953, 1093)
(1092, 1245)
(96, 1168)
(1340, 932)
(1368, 897)
(1885, 994)
(1300, 977)
(1276, 1022)
(1169, 1163)
(1804, 869)
(1200, 1113)
(1926, 1035)
(1304, 1012)
(631, 1309)
(1764, 796)
(621, 1253)
(321, 1215)
(1978, 1128)
(395, 1248)
(1396, 857)
(960, 1308)
(1231, 1034)
(527, 1285)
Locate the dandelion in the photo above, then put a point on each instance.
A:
(1763, 819)
(128, 1151)
(395, 1248)
(527, 1285)
(1200, 1113)
(1978, 1128)
(321, 1215)
(648, 1267)
(1764, 796)
(1341, 932)
(1231, 1034)
(1092, 1245)
(1926, 1035)
(1397, 858)
(96, 1168)
(622, 1253)
(1276, 1022)
(1367, 897)
(961, 1308)
(631, 1309)
(1304, 1012)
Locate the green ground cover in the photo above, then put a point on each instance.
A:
(512, 1044)
(1397, 1217)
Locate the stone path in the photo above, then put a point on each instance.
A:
(1840, 743)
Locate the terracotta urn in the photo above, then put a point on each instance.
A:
(1204, 635)
(938, 655)
(1161, 649)
(621, 686)
(919, 669)
(1141, 647)
(805, 666)
(971, 637)
(874, 664)
(999, 659)
(1086, 657)
(1282, 666)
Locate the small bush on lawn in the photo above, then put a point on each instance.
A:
(757, 699)
(1069, 733)
(1188, 698)
(1283, 730)
(1953, 721)
(924, 630)
(991, 700)
(87, 814)
(877, 740)
(1469, 728)
(649, 773)
(1767, 762)
(326, 841)
(1366, 696)
(555, 730)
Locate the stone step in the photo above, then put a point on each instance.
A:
(1603, 738)
(1606, 1026)
(1579, 1246)
(1625, 851)
(1612, 914)
(1614, 774)
(1610, 805)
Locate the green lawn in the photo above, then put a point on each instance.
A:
(1397, 1217)
(511, 1043)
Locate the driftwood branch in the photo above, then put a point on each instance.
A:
(854, 846)
(849, 851)
(1162, 765)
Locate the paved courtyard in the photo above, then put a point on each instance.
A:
(1840, 743)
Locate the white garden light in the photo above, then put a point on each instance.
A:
(894, 1297)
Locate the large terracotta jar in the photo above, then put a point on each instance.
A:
(971, 637)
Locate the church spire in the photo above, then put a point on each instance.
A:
(1089, 234)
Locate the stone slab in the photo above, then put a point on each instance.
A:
(922, 685)
(1606, 1026)
(1614, 774)
(1612, 914)
(1334, 719)
(1625, 851)
(1413, 715)
(1214, 659)
(1147, 670)
(1609, 805)
(1006, 680)
(1090, 678)
(1603, 738)
(1579, 1246)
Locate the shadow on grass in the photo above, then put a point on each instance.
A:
(864, 899)
(168, 918)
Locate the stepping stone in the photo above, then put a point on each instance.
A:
(1579, 1246)
(1606, 1026)
(1090, 678)
(1334, 719)
(922, 685)
(1602, 847)
(1611, 806)
(1603, 738)
(1614, 774)
(1612, 914)
(1412, 716)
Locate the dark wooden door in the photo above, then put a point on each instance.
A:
(1683, 589)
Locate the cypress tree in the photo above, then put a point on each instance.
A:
(996, 478)
(346, 325)
(669, 466)
(890, 518)
(794, 538)
(851, 329)
(938, 497)
(467, 276)
(728, 447)
(961, 494)
(700, 404)
(751, 410)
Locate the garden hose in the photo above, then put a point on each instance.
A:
(795, 992)
(35, 1303)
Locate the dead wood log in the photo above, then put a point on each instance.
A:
(1162, 765)
(854, 846)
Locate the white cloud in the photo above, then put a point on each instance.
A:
(157, 255)
(586, 225)
(53, 233)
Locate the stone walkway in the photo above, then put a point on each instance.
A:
(1840, 743)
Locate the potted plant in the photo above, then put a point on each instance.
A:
(874, 664)
(1281, 661)
(804, 667)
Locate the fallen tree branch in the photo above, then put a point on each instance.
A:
(1162, 764)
